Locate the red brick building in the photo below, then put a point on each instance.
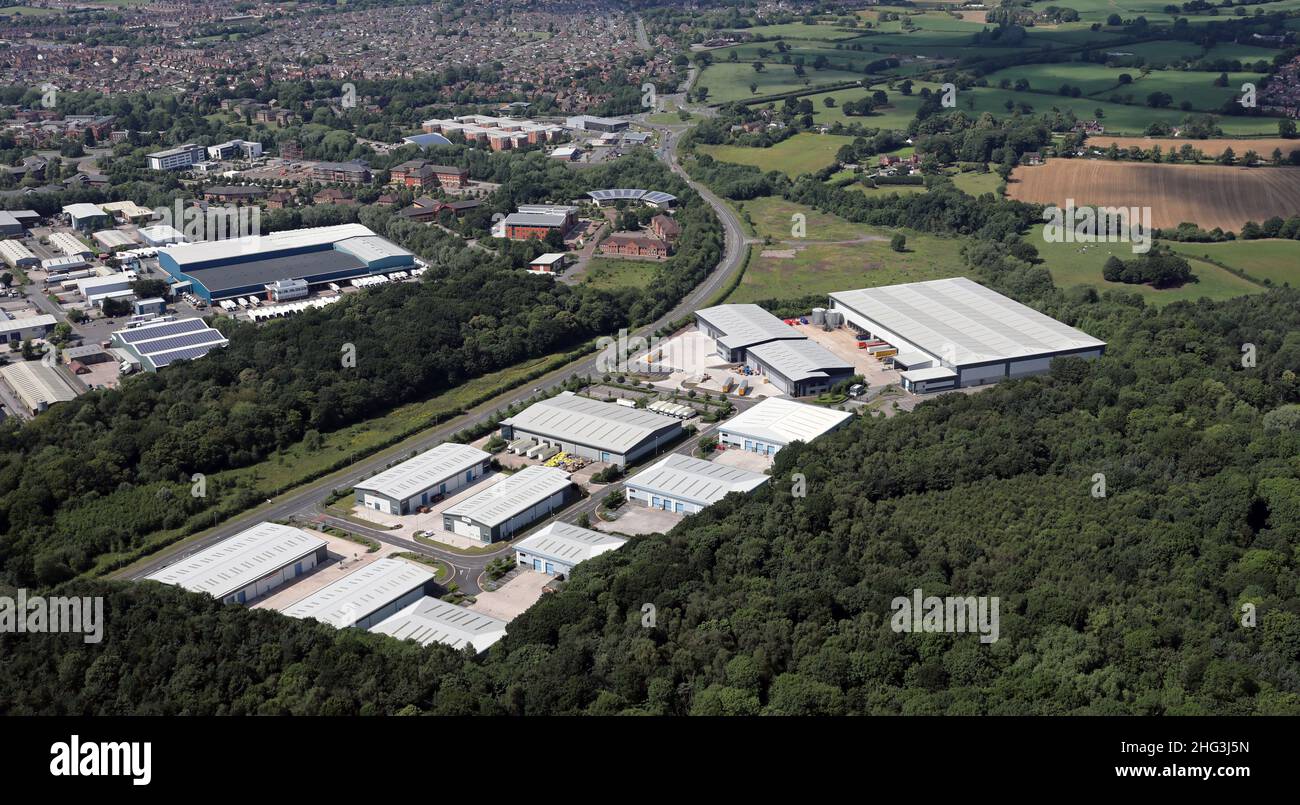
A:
(625, 244)
(665, 228)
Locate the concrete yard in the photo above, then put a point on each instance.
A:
(842, 342)
(635, 519)
(515, 596)
(743, 459)
(408, 524)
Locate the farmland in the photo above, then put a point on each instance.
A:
(1209, 195)
(1264, 146)
(1275, 261)
(802, 153)
(731, 81)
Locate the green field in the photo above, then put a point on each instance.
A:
(1098, 82)
(977, 184)
(802, 153)
(836, 255)
(609, 273)
(798, 30)
(896, 116)
(27, 11)
(1074, 264)
(1277, 261)
(730, 82)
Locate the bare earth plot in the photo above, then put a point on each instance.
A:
(1208, 195)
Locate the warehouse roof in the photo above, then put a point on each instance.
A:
(84, 210)
(237, 562)
(37, 383)
(425, 470)
(570, 544)
(963, 322)
(931, 373)
(111, 281)
(570, 418)
(114, 237)
(800, 360)
(432, 621)
(361, 592)
(547, 219)
(696, 480)
(16, 250)
(232, 248)
(161, 233)
(69, 244)
(258, 273)
(745, 325)
(783, 421)
(8, 326)
(161, 343)
(128, 209)
(506, 498)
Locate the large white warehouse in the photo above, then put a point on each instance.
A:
(735, 329)
(247, 565)
(595, 430)
(687, 485)
(428, 477)
(955, 332)
(510, 505)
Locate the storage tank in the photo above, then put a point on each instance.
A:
(819, 315)
(834, 318)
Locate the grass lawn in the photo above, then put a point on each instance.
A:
(977, 184)
(896, 116)
(888, 189)
(1080, 264)
(824, 262)
(730, 81)
(1275, 260)
(608, 273)
(802, 153)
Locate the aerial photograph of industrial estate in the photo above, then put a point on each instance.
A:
(928, 359)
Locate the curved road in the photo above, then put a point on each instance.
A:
(305, 501)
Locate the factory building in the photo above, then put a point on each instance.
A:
(86, 217)
(953, 333)
(687, 485)
(127, 211)
(798, 368)
(775, 423)
(37, 386)
(161, 235)
(157, 344)
(592, 429)
(178, 158)
(114, 240)
(249, 565)
(70, 245)
(560, 547)
(366, 596)
(245, 266)
(14, 222)
(592, 123)
(432, 621)
(737, 328)
(427, 478)
(25, 328)
(510, 505)
(55, 266)
(16, 255)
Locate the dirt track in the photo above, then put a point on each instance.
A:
(1207, 195)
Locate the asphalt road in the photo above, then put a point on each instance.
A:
(305, 501)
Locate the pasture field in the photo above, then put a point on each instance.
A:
(612, 273)
(1263, 146)
(977, 184)
(1072, 264)
(798, 30)
(729, 81)
(1118, 118)
(1208, 195)
(1277, 261)
(802, 153)
(896, 116)
(1099, 82)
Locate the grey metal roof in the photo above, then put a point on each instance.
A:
(800, 360)
(568, 543)
(605, 426)
(549, 219)
(781, 421)
(746, 325)
(432, 621)
(425, 470)
(237, 562)
(220, 279)
(962, 322)
(506, 498)
(361, 592)
(695, 480)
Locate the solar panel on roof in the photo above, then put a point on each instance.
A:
(180, 342)
(185, 354)
(161, 330)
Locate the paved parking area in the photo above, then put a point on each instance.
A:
(516, 595)
(635, 519)
(743, 459)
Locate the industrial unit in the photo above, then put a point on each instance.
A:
(509, 505)
(425, 479)
(70, 245)
(737, 328)
(38, 386)
(367, 595)
(248, 565)
(952, 333)
(16, 255)
(161, 235)
(592, 429)
(25, 328)
(687, 485)
(798, 368)
(432, 621)
(592, 123)
(157, 344)
(560, 547)
(776, 422)
(245, 266)
(86, 217)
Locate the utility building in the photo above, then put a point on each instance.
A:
(592, 429)
(510, 505)
(952, 333)
(427, 478)
(776, 422)
(248, 565)
(367, 595)
(560, 547)
(687, 485)
(737, 328)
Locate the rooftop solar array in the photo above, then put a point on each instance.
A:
(425, 470)
(696, 480)
(569, 418)
(962, 322)
(163, 343)
(162, 329)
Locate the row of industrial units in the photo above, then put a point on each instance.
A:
(767, 346)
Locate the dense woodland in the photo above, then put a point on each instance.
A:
(101, 473)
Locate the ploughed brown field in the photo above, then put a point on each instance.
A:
(1211, 148)
(1207, 195)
